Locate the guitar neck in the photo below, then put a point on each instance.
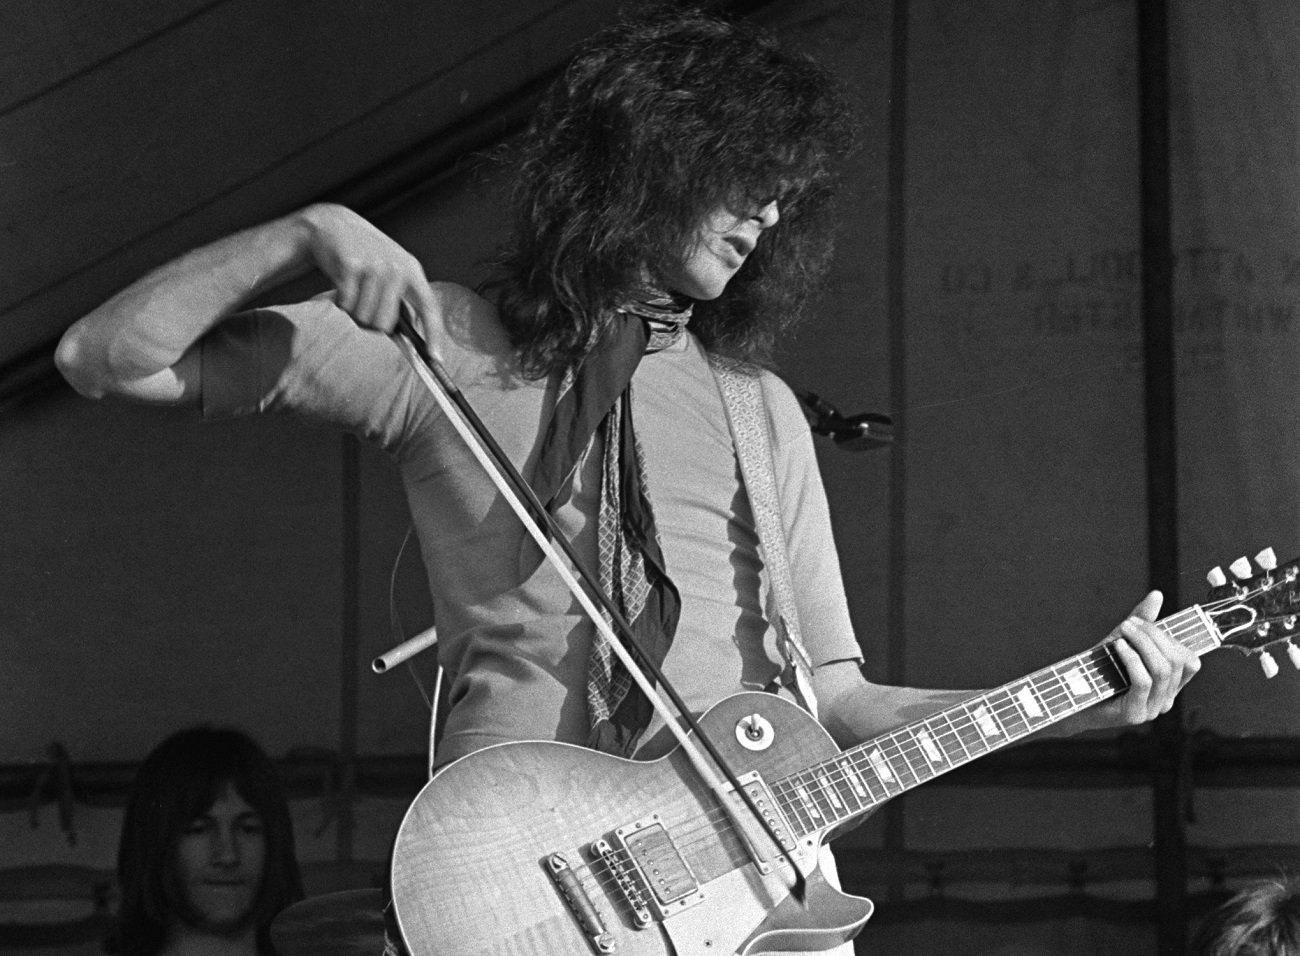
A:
(863, 777)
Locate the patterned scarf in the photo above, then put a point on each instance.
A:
(597, 397)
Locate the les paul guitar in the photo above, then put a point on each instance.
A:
(536, 848)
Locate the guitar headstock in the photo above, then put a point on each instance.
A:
(1258, 607)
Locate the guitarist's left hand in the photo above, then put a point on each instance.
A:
(854, 709)
(1158, 667)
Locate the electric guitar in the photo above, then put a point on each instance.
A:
(549, 849)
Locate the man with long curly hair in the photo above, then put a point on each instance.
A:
(670, 207)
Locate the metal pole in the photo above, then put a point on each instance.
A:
(895, 819)
(1168, 781)
(349, 644)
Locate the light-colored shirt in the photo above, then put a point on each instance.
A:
(513, 639)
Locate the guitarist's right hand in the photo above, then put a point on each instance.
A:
(371, 272)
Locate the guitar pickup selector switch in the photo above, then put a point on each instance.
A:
(755, 732)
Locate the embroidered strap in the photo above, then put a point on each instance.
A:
(742, 394)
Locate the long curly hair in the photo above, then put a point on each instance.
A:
(179, 780)
(655, 123)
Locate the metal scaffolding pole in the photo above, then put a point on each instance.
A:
(1169, 782)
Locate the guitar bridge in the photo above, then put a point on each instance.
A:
(619, 867)
(666, 883)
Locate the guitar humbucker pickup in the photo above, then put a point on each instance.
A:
(669, 884)
(758, 838)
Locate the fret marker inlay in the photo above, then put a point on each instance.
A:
(855, 781)
(809, 803)
(879, 764)
(928, 745)
(984, 720)
(1028, 703)
(1078, 685)
(831, 793)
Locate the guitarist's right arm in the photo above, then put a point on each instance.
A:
(140, 344)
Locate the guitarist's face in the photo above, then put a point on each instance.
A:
(724, 240)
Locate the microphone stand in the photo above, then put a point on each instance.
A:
(542, 527)
(851, 432)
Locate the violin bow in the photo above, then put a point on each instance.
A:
(544, 530)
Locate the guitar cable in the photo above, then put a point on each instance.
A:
(423, 641)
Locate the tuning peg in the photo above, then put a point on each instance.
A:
(1240, 567)
(1266, 559)
(1216, 577)
(1267, 664)
(1293, 652)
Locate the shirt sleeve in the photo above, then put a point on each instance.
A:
(311, 360)
(814, 561)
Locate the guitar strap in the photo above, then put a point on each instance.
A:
(742, 394)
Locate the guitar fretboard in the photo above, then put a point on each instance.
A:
(863, 777)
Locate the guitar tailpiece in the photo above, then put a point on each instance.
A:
(584, 911)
